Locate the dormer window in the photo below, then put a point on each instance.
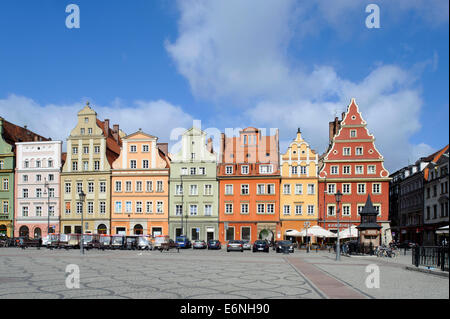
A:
(244, 169)
(86, 120)
(229, 170)
(265, 169)
(353, 133)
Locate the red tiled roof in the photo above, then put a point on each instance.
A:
(112, 146)
(433, 158)
(13, 133)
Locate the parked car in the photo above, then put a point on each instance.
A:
(235, 245)
(183, 242)
(4, 240)
(246, 244)
(170, 244)
(214, 244)
(261, 245)
(284, 244)
(73, 241)
(117, 242)
(199, 244)
(61, 241)
(131, 242)
(91, 241)
(26, 242)
(144, 243)
(104, 242)
(159, 240)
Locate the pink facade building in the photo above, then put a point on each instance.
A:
(37, 188)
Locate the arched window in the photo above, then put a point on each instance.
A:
(24, 231)
(138, 229)
(3, 229)
(102, 229)
(37, 232)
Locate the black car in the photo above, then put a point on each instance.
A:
(261, 245)
(407, 244)
(284, 244)
(214, 244)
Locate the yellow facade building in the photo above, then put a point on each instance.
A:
(299, 187)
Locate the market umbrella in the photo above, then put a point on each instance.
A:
(293, 233)
(317, 231)
(353, 233)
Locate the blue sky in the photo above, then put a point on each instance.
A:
(159, 64)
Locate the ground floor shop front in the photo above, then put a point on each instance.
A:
(139, 226)
(90, 226)
(250, 231)
(35, 228)
(298, 225)
(194, 230)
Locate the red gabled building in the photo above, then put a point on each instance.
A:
(249, 186)
(354, 166)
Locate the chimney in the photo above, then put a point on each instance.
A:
(343, 115)
(222, 146)
(115, 132)
(334, 128)
(106, 125)
(163, 147)
(1, 125)
(209, 146)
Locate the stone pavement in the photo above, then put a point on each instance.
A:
(193, 274)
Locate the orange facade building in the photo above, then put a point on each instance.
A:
(140, 187)
(249, 186)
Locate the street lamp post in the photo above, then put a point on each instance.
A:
(182, 203)
(82, 196)
(338, 248)
(307, 238)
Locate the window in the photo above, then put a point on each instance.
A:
(193, 190)
(159, 186)
(145, 164)
(25, 211)
(371, 169)
(51, 192)
(149, 187)
(90, 131)
(79, 187)
(228, 189)
(90, 208)
(25, 178)
(261, 189)
(2, 164)
(85, 165)
(228, 208)
(38, 178)
(331, 188)
(270, 208)
(38, 192)
(361, 188)
(38, 164)
(67, 209)
(25, 193)
(359, 169)
(128, 186)
(50, 163)
(193, 210)
(346, 169)
(96, 149)
(208, 210)
(208, 190)
(192, 156)
(74, 150)
(298, 189)
(377, 208)
(294, 170)
(331, 210)
(228, 169)
(51, 210)
(303, 170)
(265, 169)
(85, 149)
(102, 208)
(334, 170)
(159, 207)
(138, 186)
(260, 209)
(149, 207)
(68, 188)
(133, 149)
(118, 207)
(346, 188)
(287, 189)
(86, 120)
(139, 207)
(184, 171)
(133, 164)
(202, 171)
(310, 209)
(38, 211)
(145, 148)
(75, 166)
(244, 169)
(193, 171)
(271, 189)
(27, 164)
(298, 209)
(90, 187)
(311, 189)
(376, 188)
(347, 151)
(352, 133)
(118, 186)
(178, 210)
(51, 177)
(359, 151)
(97, 165)
(244, 189)
(244, 208)
(179, 189)
(79, 208)
(286, 210)
(346, 210)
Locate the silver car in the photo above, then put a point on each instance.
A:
(199, 244)
(246, 244)
(235, 245)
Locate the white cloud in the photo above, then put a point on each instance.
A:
(56, 121)
(238, 50)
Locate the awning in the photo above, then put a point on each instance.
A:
(293, 233)
(353, 233)
(442, 230)
(317, 231)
